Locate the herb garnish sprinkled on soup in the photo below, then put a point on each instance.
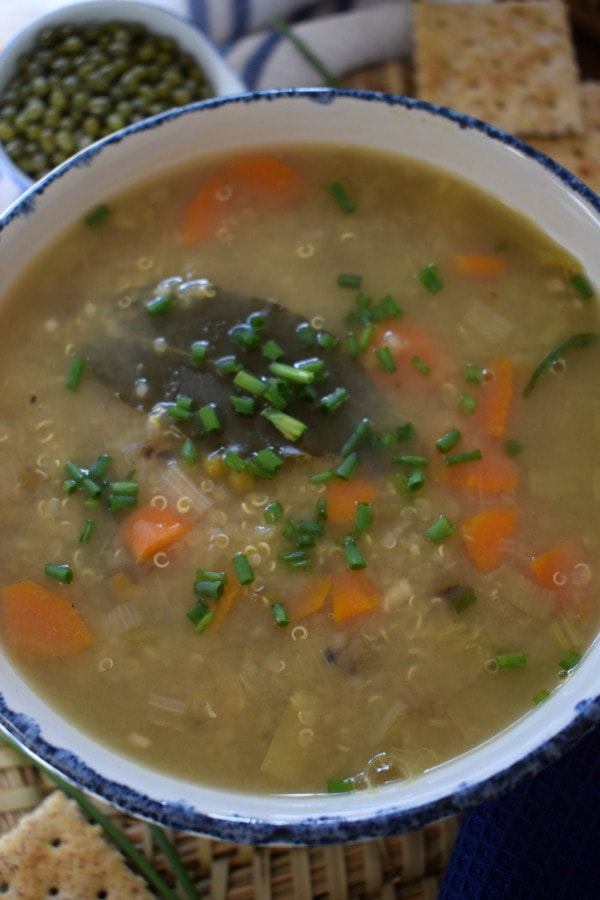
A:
(300, 487)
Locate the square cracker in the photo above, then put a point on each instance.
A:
(580, 153)
(511, 64)
(55, 851)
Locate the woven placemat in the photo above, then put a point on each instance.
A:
(408, 866)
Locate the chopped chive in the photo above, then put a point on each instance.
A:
(356, 438)
(364, 516)
(415, 480)
(575, 342)
(512, 447)
(209, 418)
(273, 512)
(272, 350)
(385, 359)
(243, 405)
(124, 488)
(119, 502)
(74, 472)
(388, 307)
(457, 458)
(460, 597)
(198, 351)
(543, 695)
(60, 572)
(400, 482)
(354, 557)
(430, 278)
(365, 338)
(210, 590)
(332, 402)
(257, 320)
(353, 347)
(250, 383)
(321, 508)
(322, 477)
(441, 529)
(244, 335)
(179, 413)
(326, 340)
(340, 785)
(200, 615)
(92, 503)
(96, 215)
(420, 462)
(243, 569)
(420, 365)
(289, 530)
(76, 370)
(447, 441)
(226, 365)
(184, 402)
(582, 286)
(91, 488)
(404, 432)
(99, 468)
(280, 616)
(234, 461)
(276, 392)
(211, 575)
(306, 334)
(289, 427)
(387, 439)
(341, 197)
(268, 460)
(346, 468)
(473, 373)
(570, 660)
(292, 373)
(86, 532)
(467, 403)
(296, 559)
(189, 454)
(158, 306)
(307, 531)
(511, 660)
(349, 281)
(69, 485)
(312, 364)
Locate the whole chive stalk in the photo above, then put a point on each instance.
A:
(441, 530)
(158, 306)
(342, 197)
(280, 616)
(354, 557)
(243, 569)
(209, 418)
(189, 453)
(59, 571)
(364, 516)
(280, 25)
(290, 427)
(86, 533)
(420, 365)
(349, 281)
(457, 458)
(332, 402)
(430, 278)
(385, 359)
(447, 441)
(511, 660)
(198, 351)
(76, 370)
(273, 512)
(272, 350)
(347, 468)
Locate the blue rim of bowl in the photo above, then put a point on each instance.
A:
(313, 830)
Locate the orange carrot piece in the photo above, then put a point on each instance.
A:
(483, 535)
(263, 181)
(312, 598)
(494, 397)
(353, 593)
(479, 265)
(150, 529)
(223, 605)
(405, 341)
(554, 568)
(41, 625)
(342, 497)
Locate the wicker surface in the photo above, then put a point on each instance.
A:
(408, 866)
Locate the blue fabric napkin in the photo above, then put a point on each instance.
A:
(540, 841)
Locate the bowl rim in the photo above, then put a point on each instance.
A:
(337, 827)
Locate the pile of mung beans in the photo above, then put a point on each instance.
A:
(79, 84)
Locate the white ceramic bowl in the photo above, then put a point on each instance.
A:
(157, 20)
(492, 160)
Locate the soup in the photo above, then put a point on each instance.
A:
(300, 488)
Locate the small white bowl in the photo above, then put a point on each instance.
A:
(157, 20)
(523, 178)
